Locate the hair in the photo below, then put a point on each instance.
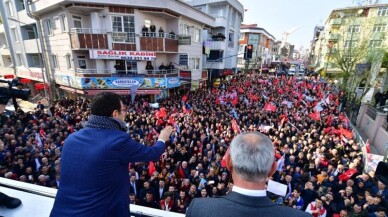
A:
(104, 103)
(252, 155)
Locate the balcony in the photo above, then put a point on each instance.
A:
(336, 22)
(159, 42)
(217, 44)
(126, 73)
(32, 46)
(220, 21)
(333, 37)
(87, 38)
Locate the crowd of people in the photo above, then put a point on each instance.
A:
(318, 159)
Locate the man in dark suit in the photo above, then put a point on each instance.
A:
(134, 187)
(250, 161)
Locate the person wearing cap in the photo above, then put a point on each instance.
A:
(251, 161)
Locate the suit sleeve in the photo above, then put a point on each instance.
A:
(189, 211)
(132, 151)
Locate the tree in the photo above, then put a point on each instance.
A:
(354, 45)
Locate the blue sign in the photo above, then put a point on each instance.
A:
(111, 82)
(173, 82)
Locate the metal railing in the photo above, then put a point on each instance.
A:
(93, 71)
(159, 35)
(371, 112)
(87, 31)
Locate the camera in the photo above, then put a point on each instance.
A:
(13, 91)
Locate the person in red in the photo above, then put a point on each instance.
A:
(316, 209)
(167, 203)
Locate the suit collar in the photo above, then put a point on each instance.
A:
(249, 200)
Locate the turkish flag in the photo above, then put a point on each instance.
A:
(269, 107)
(347, 175)
(184, 98)
(315, 116)
(151, 168)
(348, 134)
(235, 126)
(367, 147)
(181, 173)
(223, 161)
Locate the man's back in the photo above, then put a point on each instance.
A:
(235, 204)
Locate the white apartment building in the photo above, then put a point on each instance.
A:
(26, 46)
(263, 47)
(221, 41)
(92, 46)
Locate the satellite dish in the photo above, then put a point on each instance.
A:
(360, 11)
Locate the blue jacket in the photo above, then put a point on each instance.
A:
(94, 172)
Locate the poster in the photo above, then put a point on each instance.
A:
(371, 162)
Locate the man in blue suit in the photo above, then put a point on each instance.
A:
(250, 161)
(94, 164)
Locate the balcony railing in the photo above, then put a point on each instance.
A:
(88, 31)
(159, 35)
(161, 42)
(93, 71)
(333, 37)
(88, 38)
(126, 73)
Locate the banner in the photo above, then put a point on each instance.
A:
(371, 162)
(111, 82)
(122, 55)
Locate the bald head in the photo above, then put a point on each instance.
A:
(252, 155)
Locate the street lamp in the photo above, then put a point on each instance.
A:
(44, 72)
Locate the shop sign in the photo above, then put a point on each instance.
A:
(122, 55)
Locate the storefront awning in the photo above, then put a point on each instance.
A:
(69, 89)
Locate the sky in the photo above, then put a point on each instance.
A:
(278, 16)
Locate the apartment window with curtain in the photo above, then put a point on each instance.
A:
(197, 35)
(54, 58)
(375, 43)
(123, 29)
(185, 29)
(350, 43)
(379, 27)
(9, 8)
(49, 27)
(382, 12)
(194, 63)
(63, 23)
(68, 61)
(354, 28)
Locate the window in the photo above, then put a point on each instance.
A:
(35, 60)
(382, 12)
(215, 56)
(55, 61)
(241, 48)
(8, 6)
(49, 27)
(30, 33)
(19, 59)
(354, 28)
(14, 34)
(194, 63)
(197, 35)
(233, 19)
(22, 4)
(379, 27)
(81, 62)
(240, 60)
(375, 43)
(63, 23)
(123, 29)
(241, 36)
(231, 36)
(77, 22)
(68, 61)
(185, 30)
(350, 43)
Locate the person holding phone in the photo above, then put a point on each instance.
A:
(94, 164)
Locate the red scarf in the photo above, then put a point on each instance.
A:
(321, 211)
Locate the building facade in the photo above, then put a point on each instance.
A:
(264, 47)
(349, 29)
(143, 47)
(221, 41)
